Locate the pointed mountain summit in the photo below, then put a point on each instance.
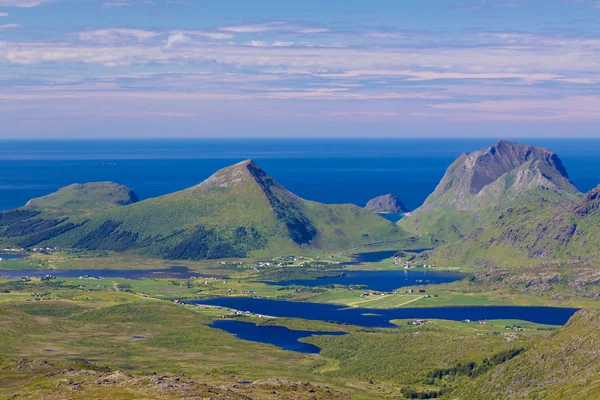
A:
(387, 203)
(239, 211)
(478, 185)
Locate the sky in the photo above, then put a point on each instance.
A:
(311, 68)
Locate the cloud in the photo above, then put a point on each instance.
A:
(24, 3)
(273, 26)
(3, 14)
(176, 38)
(9, 26)
(568, 108)
(249, 28)
(207, 34)
(434, 75)
(125, 3)
(113, 35)
(277, 43)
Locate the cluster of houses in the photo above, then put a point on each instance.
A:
(95, 278)
(410, 291)
(367, 294)
(44, 250)
(517, 328)
(420, 322)
(232, 310)
(411, 263)
(10, 250)
(468, 321)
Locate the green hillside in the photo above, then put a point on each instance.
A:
(58, 212)
(537, 230)
(479, 186)
(238, 212)
(79, 199)
(564, 366)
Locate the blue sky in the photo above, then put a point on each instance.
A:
(240, 68)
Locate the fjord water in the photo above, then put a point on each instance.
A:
(326, 170)
(384, 281)
(173, 272)
(11, 256)
(380, 318)
(279, 336)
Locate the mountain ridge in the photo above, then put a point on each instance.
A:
(237, 212)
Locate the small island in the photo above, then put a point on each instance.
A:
(386, 204)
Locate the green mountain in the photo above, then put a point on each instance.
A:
(87, 198)
(477, 187)
(564, 366)
(237, 212)
(51, 214)
(536, 230)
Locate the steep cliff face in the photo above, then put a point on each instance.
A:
(498, 173)
(386, 204)
(479, 186)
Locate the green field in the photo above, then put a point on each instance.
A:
(353, 298)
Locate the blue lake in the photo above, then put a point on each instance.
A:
(279, 336)
(11, 256)
(384, 281)
(380, 318)
(173, 272)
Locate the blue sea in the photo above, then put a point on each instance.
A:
(325, 170)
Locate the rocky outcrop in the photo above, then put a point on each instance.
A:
(386, 204)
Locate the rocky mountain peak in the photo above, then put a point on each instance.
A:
(487, 165)
(237, 176)
(387, 203)
(505, 170)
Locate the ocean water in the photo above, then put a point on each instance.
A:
(326, 170)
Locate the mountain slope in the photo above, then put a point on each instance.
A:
(537, 230)
(478, 186)
(238, 211)
(565, 366)
(388, 203)
(52, 214)
(84, 198)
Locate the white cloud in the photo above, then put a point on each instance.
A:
(112, 35)
(23, 3)
(176, 38)
(249, 28)
(272, 26)
(207, 34)
(277, 43)
(568, 108)
(125, 3)
(9, 26)
(3, 14)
